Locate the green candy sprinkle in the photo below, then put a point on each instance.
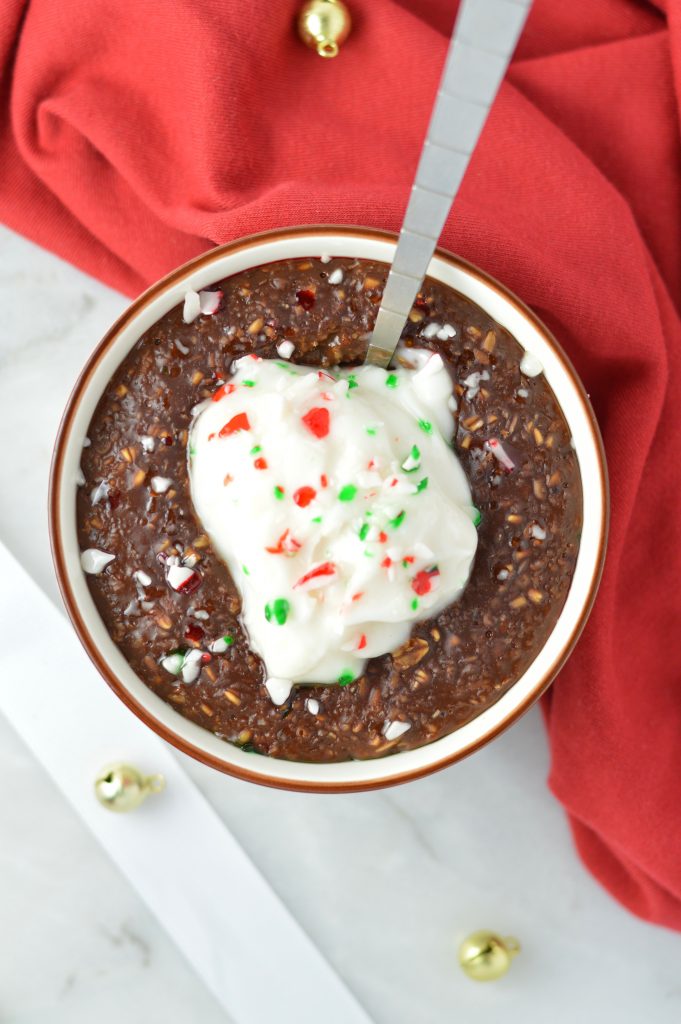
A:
(391, 381)
(255, 449)
(345, 678)
(415, 604)
(477, 519)
(426, 426)
(347, 493)
(317, 519)
(278, 611)
(352, 382)
(364, 531)
(245, 570)
(421, 485)
(279, 493)
(398, 520)
(248, 383)
(371, 431)
(192, 450)
(368, 554)
(412, 461)
(229, 640)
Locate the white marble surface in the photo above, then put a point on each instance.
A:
(386, 883)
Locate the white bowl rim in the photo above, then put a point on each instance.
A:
(192, 739)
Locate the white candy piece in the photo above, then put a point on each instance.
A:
(141, 577)
(180, 347)
(99, 492)
(393, 730)
(80, 477)
(285, 349)
(446, 332)
(312, 705)
(192, 306)
(191, 666)
(325, 258)
(177, 576)
(93, 561)
(313, 576)
(430, 330)
(278, 689)
(219, 646)
(336, 276)
(86, 442)
(530, 365)
(173, 663)
(538, 532)
(160, 484)
(210, 302)
(148, 444)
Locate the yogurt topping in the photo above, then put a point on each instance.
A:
(338, 505)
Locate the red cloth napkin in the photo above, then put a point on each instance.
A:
(135, 135)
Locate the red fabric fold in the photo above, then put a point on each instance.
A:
(135, 135)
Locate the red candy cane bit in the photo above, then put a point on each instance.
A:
(358, 596)
(285, 545)
(317, 421)
(422, 583)
(260, 463)
(383, 537)
(319, 572)
(409, 559)
(362, 642)
(387, 562)
(194, 633)
(228, 479)
(211, 436)
(321, 375)
(237, 423)
(206, 657)
(226, 389)
(324, 480)
(394, 482)
(303, 496)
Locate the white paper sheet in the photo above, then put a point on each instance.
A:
(174, 850)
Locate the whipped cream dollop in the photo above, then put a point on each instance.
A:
(338, 505)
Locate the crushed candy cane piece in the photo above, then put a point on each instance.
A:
(393, 730)
(278, 689)
(222, 644)
(500, 454)
(93, 561)
(285, 349)
(99, 492)
(209, 302)
(312, 705)
(530, 365)
(192, 306)
(160, 484)
(182, 579)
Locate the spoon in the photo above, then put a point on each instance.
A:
(483, 40)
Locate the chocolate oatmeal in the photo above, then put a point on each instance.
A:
(169, 601)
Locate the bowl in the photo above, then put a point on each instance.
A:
(191, 739)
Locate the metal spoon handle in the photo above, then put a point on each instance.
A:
(483, 40)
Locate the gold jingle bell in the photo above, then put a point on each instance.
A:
(323, 25)
(485, 956)
(122, 788)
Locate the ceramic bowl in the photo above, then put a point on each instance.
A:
(502, 306)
